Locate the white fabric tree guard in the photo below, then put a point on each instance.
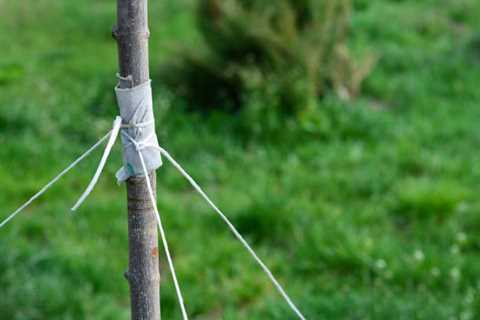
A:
(136, 110)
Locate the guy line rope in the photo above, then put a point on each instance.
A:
(140, 145)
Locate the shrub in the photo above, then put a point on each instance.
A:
(283, 55)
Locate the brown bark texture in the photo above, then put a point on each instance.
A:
(131, 33)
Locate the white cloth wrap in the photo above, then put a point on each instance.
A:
(136, 110)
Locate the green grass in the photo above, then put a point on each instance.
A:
(369, 211)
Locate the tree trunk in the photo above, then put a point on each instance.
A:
(143, 274)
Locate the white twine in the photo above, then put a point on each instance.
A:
(52, 182)
(139, 146)
(234, 231)
(113, 137)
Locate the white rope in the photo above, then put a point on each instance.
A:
(113, 137)
(139, 146)
(48, 185)
(234, 231)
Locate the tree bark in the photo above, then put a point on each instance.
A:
(143, 274)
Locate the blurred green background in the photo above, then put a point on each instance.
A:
(362, 198)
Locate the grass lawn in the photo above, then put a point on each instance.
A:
(370, 211)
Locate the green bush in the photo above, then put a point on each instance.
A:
(276, 57)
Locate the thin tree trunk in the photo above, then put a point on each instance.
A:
(143, 274)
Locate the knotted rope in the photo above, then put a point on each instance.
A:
(141, 145)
